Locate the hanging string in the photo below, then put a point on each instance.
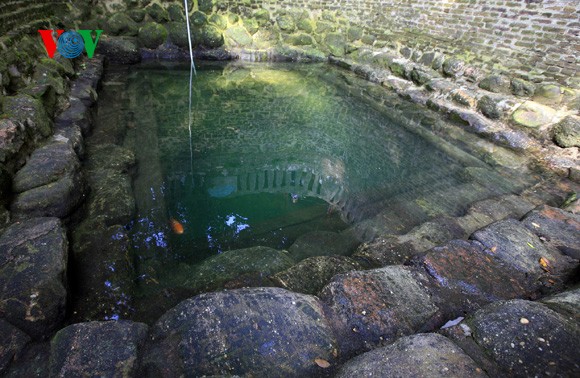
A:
(189, 38)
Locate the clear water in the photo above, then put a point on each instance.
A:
(269, 153)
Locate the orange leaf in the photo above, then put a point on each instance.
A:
(544, 263)
(322, 363)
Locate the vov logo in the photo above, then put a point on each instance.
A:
(70, 44)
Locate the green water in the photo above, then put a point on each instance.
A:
(271, 152)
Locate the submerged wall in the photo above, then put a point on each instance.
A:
(538, 37)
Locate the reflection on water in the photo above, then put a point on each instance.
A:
(269, 153)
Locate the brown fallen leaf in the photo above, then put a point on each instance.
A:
(545, 264)
(322, 363)
(493, 249)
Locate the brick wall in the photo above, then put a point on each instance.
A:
(16, 15)
(540, 38)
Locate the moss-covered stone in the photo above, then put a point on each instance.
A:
(262, 16)
(219, 21)
(354, 33)
(211, 36)
(567, 132)
(152, 34)
(233, 18)
(121, 24)
(496, 84)
(30, 113)
(420, 76)
(336, 44)
(136, 15)
(300, 39)
(198, 18)
(286, 23)
(368, 39)
(324, 27)
(238, 36)
(205, 5)
(328, 16)
(177, 34)
(251, 26)
(306, 25)
(489, 107)
(532, 115)
(157, 13)
(176, 12)
(453, 67)
(550, 94)
(521, 87)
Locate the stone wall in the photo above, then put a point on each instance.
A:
(539, 39)
(16, 15)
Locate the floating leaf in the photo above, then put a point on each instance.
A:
(524, 321)
(322, 363)
(531, 245)
(544, 263)
(493, 249)
(535, 225)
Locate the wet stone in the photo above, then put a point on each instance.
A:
(496, 84)
(33, 275)
(322, 243)
(567, 132)
(12, 138)
(122, 50)
(422, 355)
(109, 348)
(266, 332)
(528, 339)
(465, 277)
(566, 303)
(532, 115)
(76, 114)
(502, 207)
(110, 156)
(556, 227)
(111, 197)
(391, 250)
(214, 272)
(13, 341)
(103, 272)
(310, 275)
(46, 164)
(56, 199)
(517, 247)
(29, 112)
(72, 135)
(375, 307)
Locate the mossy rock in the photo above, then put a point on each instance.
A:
(328, 16)
(157, 13)
(211, 36)
(521, 87)
(300, 39)
(266, 38)
(198, 18)
(495, 84)
(262, 16)
(286, 23)
(401, 69)
(177, 34)
(251, 26)
(136, 15)
(368, 39)
(567, 132)
(121, 24)
(336, 44)
(533, 115)
(176, 12)
(205, 5)
(453, 67)
(354, 33)
(233, 18)
(305, 25)
(489, 107)
(238, 36)
(151, 35)
(219, 21)
(324, 27)
(550, 94)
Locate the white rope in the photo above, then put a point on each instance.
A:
(189, 38)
